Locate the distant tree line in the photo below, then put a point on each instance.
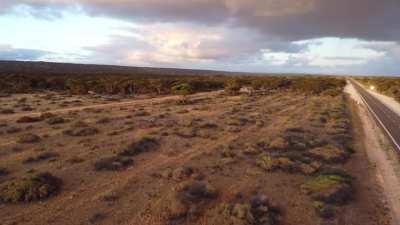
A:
(305, 84)
(107, 84)
(163, 85)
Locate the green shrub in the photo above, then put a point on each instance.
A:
(329, 188)
(267, 162)
(182, 89)
(257, 211)
(33, 188)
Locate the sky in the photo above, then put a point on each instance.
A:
(346, 37)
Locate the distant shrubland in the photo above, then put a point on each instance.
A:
(81, 79)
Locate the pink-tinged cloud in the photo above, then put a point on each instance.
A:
(286, 19)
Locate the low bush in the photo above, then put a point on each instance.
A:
(329, 188)
(145, 144)
(184, 202)
(181, 173)
(97, 217)
(329, 153)
(47, 115)
(257, 211)
(29, 139)
(55, 120)
(324, 210)
(267, 163)
(103, 120)
(13, 130)
(278, 143)
(182, 89)
(193, 191)
(75, 160)
(6, 111)
(29, 119)
(41, 157)
(27, 108)
(3, 171)
(114, 163)
(287, 163)
(232, 87)
(81, 131)
(32, 188)
(272, 163)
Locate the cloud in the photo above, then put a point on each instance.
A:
(7, 52)
(284, 19)
(177, 44)
(253, 35)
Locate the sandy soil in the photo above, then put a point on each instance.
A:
(221, 145)
(352, 92)
(381, 156)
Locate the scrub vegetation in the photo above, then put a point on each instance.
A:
(174, 149)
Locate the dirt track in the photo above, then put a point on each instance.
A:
(106, 105)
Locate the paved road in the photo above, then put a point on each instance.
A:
(386, 118)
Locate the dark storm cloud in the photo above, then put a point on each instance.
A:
(285, 19)
(9, 53)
